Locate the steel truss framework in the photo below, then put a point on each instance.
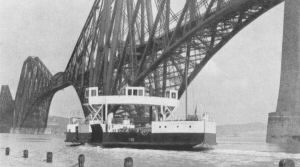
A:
(136, 42)
(6, 109)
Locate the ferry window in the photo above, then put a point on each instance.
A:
(141, 93)
(174, 95)
(190, 126)
(87, 93)
(134, 92)
(129, 91)
(177, 126)
(159, 126)
(94, 93)
(165, 126)
(167, 94)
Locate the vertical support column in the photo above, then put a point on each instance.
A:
(106, 110)
(283, 125)
(166, 30)
(162, 111)
(142, 22)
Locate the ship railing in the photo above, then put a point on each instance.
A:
(183, 119)
(142, 130)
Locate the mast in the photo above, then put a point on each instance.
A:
(186, 78)
(186, 98)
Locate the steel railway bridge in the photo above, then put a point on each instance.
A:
(137, 43)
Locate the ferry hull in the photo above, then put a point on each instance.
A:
(78, 137)
(152, 140)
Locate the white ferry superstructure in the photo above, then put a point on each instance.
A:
(100, 127)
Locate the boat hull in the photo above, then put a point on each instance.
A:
(181, 141)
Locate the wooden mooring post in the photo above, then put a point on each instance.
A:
(49, 157)
(286, 163)
(7, 150)
(81, 160)
(128, 162)
(25, 153)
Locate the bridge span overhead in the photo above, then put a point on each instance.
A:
(136, 43)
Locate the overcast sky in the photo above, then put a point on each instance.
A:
(239, 85)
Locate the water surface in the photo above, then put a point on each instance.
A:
(230, 151)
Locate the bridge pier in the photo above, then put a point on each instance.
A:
(284, 124)
(283, 127)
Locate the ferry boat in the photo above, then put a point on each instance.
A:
(162, 130)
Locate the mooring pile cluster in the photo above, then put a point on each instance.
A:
(128, 162)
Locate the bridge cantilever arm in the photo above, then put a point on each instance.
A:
(135, 13)
(150, 40)
(210, 20)
(82, 32)
(179, 21)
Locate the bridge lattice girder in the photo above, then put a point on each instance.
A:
(128, 45)
(145, 43)
(6, 109)
(30, 111)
